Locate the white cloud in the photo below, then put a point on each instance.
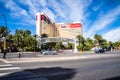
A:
(72, 13)
(43, 2)
(95, 8)
(112, 35)
(18, 12)
(34, 6)
(57, 7)
(103, 21)
(77, 9)
(31, 6)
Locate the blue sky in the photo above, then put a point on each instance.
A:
(97, 16)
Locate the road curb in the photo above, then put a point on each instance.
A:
(27, 60)
(38, 59)
(48, 59)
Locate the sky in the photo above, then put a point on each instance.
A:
(97, 16)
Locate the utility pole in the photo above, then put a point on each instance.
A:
(4, 39)
(5, 20)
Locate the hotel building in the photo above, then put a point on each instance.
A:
(63, 30)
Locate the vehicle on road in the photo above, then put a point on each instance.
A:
(99, 50)
(49, 52)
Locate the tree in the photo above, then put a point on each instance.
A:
(82, 41)
(70, 45)
(89, 43)
(29, 43)
(10, 36)
(117, 44)
(18, 37)
(111, 44)
(44, 35)
(23, 39)
(98, 39)
(104, 43)
(27, 32)
(80, 38)
(57, 46)
(4, 31)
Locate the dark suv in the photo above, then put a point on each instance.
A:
(99, 50)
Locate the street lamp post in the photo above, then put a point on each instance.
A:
(5, 20)
(4, 39)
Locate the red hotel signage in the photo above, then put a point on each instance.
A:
(43, 17)
(75, 25)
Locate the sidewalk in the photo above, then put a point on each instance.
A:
(61, 57)
(40, 59)
(37, 57)
(86, 52)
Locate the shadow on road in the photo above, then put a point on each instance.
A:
(53, 73)
(113, 78)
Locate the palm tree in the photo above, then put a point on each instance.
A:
(90, 43)
(98, 39)
(117, 44)
(104, 43)
(44, 35)
(18, 37)
(27, 32)
(10, 37)
(4, 31)
(80, 38)
(81, 42)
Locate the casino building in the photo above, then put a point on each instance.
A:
(64, 30)
(69, 30)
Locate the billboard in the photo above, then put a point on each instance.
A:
(75, 25)
(70, 30)
(71, 25)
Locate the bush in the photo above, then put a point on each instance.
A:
(29, 48)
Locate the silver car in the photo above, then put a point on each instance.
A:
(48, 52)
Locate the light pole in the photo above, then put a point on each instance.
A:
(4, 38)
(5, 20)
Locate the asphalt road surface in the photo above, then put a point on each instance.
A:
(96, 68)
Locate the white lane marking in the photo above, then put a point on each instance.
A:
(6, 65)
(4, 60)
(3, 74)
(10, 68)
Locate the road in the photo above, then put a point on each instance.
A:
(99, 67)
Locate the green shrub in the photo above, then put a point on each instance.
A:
(28, 48)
